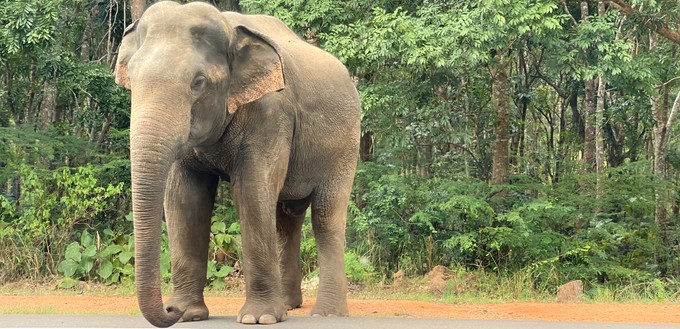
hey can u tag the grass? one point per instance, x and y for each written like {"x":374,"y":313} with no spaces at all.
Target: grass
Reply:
{"x":41,"y":288}
{"x":651,"y":292}
{"x":39,"y":310}
{"x":464,"y":286}
{"x":457,"y":286}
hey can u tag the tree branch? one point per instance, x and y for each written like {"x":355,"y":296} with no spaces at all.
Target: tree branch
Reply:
{"x":627,"y":9}
{"x":566,"y":11}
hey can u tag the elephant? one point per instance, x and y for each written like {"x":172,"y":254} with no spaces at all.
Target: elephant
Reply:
{"x":223,"y":96}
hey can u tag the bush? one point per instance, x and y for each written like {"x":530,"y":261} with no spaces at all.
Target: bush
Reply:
{"x":553,"y":233}
{"x":51,"y":207}
{"x":107,"y":259}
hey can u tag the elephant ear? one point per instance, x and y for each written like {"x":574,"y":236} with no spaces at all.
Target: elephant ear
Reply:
{"x":257,"y":68}
{"x":127,"y":48}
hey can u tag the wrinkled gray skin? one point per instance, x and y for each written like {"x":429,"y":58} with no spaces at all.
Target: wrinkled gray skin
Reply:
{"x":242,"y":98}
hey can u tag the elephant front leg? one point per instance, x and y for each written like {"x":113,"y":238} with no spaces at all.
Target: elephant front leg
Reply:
{"x":257,"y":210}
{"x":188,"y":208}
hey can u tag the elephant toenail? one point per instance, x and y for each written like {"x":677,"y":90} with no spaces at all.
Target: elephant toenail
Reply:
{"x":248,"y":319}
{"x":267,"y":319}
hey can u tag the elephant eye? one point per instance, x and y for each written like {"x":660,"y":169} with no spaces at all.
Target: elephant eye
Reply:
{"x":199,"y":83}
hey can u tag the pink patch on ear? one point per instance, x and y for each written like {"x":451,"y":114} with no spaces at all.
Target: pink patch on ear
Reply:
{"x":122,"y":78}
{"x":231,"y":106}
{"x":272,"y":80}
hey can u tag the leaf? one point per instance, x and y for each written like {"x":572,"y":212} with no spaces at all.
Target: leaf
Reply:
{"x":86,"y":266}
{"x":224,"y":271}
{"x":211,"y":269}
{"x":234,"y":228}
{"x":68,"y":267}
{"x":128,"y":270}
{"x":218,"y":285}
{"x":110,"y":250}
{"x":86,"y":239}
{"x":105,"y":269}
{"x":73,"y":252}
{"x":67,"y":283}
{"x":115,"y":277}
{"x":125,"y":257}
{"x":90,"y":251}
{"x":218,"y":227}
{"x":165,"y":265}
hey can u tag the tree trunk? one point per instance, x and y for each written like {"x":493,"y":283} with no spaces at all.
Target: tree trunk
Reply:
{"x":500,"y":89}
{"x":137,"y":8}
{"x":659,"y":160}
{"x":48,"y":105}
{"x":662,"y":131}
{"x":31,"y":109}
{"x":589,"y":109}
{"x":366,"y":146}
{"x":87,"y":34}
{"x":599,"y":136}
{"x":517,"y":140}
{"x":231,"y":5}
{"x":576,"y":117}
{"x":599,"y":121}
{"x":561,"y":152}
{"x":17,"y":115}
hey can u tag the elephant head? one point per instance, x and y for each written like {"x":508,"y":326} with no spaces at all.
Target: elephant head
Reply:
{"x":189,"y":70}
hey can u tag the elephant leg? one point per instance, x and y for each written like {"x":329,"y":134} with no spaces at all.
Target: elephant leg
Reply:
{"x":329,"y":216}
{"x":256,"y":202}
{"x":290,"y":215}
{"x":189,"y":201}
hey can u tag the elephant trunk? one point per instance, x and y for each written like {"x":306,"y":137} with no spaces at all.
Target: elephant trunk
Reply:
{"x":153,"y":148}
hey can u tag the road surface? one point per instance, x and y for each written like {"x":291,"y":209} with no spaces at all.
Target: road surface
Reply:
{"x":135,"y":321}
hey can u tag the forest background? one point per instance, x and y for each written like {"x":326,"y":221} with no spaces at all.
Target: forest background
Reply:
{"x":530,"y":139}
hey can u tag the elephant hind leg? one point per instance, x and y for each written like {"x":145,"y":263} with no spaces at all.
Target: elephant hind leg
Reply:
{"x":329,"y":217}
{"x":290,"y":216}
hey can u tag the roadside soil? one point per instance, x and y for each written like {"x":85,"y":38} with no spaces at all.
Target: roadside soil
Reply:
{"x":228,"y":306}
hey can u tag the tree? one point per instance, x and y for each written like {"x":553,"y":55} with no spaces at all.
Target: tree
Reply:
{"x":500,"y":99}
{"x":137,"y":8}
{"x":586,"y":94}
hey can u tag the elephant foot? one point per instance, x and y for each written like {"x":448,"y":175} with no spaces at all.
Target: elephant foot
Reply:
{"x":261,"y":313}
{"x":193,"y":311}
{"x":330,"y":309}
{"x":293,"y":305}
{"x":293,"y":300}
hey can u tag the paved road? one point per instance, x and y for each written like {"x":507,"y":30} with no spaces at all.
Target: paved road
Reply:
{"x":118,"y":321}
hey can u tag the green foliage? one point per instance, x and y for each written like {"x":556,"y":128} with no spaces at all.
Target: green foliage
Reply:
{"x":423,"y":72}
{"x":358,"y":269}
{"x":60,"y":201}
{"x":225,"y":245}
{"x":107,"y":259}
{"x":51,"y":207}
{"x":549,"y":233}
{"x":308,"y":254}
{"x":27,"y":24}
